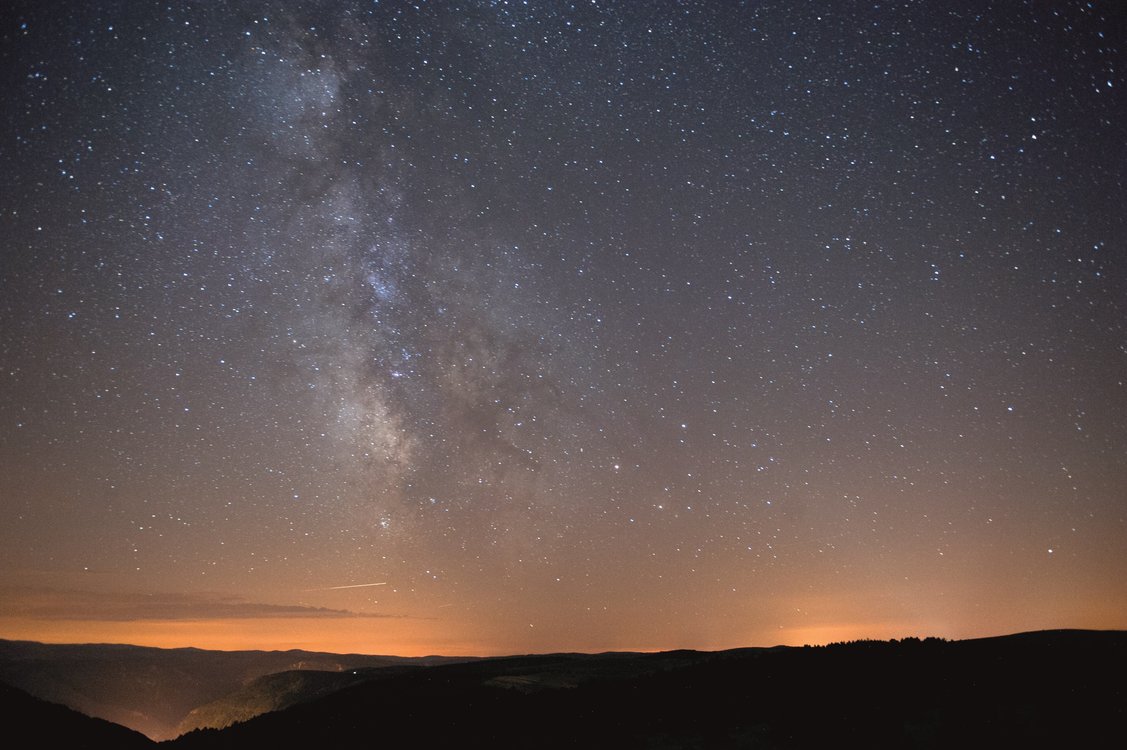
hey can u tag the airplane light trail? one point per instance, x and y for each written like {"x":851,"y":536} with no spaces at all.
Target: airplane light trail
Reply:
{"x":350,"y":586}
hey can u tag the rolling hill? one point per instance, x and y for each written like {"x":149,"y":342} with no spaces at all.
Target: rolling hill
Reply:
{"x":152,"y":690}
{"x":1049,"y":688}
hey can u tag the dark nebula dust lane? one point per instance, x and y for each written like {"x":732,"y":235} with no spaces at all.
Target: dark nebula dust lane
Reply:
{"x":579,"y":325}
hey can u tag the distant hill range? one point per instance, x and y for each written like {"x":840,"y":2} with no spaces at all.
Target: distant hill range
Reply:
{"x":153,"y":690}
{"x":1049,"y":688}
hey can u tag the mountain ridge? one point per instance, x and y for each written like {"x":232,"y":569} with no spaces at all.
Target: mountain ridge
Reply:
{"x":150,"y":689}
{"x":1029,"y":688}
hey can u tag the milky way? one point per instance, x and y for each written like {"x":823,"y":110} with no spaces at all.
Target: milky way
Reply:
{"x":580,"y":325}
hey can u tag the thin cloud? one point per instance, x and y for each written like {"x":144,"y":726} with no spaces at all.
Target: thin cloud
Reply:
{"x":54,"y":604}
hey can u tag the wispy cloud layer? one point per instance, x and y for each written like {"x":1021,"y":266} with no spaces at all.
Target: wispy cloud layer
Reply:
{"x":28,"y":602}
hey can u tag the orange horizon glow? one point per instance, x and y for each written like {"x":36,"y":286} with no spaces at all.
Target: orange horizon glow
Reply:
{"x":405,"y":638}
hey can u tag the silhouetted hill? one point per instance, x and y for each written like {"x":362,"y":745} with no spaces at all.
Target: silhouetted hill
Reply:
{"x":274,"y":692}
{"x":150,"y":689}
{"x":523,"y":673}
{"x":1058,"y":688}
{"x":1052,"y":688}
{"x":30,"y":722}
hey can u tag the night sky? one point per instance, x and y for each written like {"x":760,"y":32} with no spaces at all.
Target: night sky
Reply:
{"x":561,"y":325}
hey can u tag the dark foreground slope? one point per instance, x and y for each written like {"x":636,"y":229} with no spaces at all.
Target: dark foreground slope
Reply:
{"x":1059,"y":688}
{"x":28,"y":721}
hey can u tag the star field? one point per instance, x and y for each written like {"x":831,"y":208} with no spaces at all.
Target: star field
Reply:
{"x":576,"y":325}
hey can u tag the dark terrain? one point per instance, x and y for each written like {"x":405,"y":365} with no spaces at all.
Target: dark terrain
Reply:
{"x":36,"y":723}
{"x":1050,"y":688}
{"x":152,"y":690}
